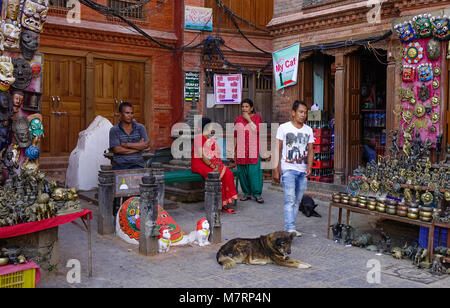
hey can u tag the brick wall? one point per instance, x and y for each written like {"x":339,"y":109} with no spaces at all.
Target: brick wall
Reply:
{"x":286,"y":7}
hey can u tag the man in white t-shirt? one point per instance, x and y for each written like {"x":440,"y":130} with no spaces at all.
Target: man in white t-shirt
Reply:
{"x":294,"y":172}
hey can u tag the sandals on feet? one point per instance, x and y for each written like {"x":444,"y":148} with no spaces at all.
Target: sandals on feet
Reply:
{"x":245,"y":198}
{"x":228,"y":210}
{"x":259,"y":199}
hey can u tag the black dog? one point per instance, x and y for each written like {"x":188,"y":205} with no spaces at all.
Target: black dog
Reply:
{"x":307,"y":207}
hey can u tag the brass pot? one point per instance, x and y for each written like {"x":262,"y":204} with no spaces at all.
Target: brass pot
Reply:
{"x":4,"y":261}
{"x":362,"y":199}
{"x":372,"y":207}
{"x":381,"y":209}
{"x":354,"y":198}
{"x":413,"y":216}
{"x":402,"y":213}
{"x":381,"y":203}
{"x":362,"y":205}
{"x":426,"y":214}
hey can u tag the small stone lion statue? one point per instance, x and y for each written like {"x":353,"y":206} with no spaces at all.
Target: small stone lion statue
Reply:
{"x":164,"y":240}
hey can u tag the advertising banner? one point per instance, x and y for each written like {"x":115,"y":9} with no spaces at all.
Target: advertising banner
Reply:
{"x":285,"y":66}
{"x":198,"y":18}
{"x":192,"y":87}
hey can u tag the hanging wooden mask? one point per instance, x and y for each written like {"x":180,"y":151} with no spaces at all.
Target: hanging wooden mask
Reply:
{"x":423,"y":26}
{"x":424,"y":93}
{"x":409,"y":73}
{"x":406,"y":32}
{"x":29,"y":43}
{"x":425,"y":72}
{"x":11,"y":34}
{"x":441,"y":30}
{"x":33,"y":14}
{"x":433,"y":49}
{"x":22,"y":73}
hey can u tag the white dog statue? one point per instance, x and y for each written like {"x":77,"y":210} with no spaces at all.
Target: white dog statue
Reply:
{"x":164,"y":240}
{"x":202,"y":233}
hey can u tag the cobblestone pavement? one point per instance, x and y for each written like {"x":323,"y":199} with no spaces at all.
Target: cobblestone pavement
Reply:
{"x":118,"y":264}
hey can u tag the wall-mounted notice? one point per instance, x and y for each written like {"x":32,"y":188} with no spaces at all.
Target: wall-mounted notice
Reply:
{"x":198,"y":18}
{"x":285,"y":66}
{"x":228,"y":89}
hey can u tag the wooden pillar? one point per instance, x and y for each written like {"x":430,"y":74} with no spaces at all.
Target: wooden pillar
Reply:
{"x":148,"y":210}
{"x":391,"y":119}
{"x":158,"y":172}
{"x":339,"y":129}
{"x":105,"y":200}
{"x":213,"y":206}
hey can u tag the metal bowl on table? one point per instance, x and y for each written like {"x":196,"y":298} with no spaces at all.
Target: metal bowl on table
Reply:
{"x":4,"y":261}
{"x":402,"y":213}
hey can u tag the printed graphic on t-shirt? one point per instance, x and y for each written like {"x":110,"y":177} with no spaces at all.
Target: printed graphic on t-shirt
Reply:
{"x":296,"y":148}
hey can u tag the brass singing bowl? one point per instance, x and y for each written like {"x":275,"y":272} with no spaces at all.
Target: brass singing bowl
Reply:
{"x":381,"y":209}
{"x":391,"y":211}
{"x":413,"y":211}
{"x":372,"y":207}
{"x":3,"y":261}
{"x":402,"y":213}
{"x":382,"y":204}
{"x":426,"y":219}
{"x":413,"y":216}
{"x":426,"y":214}
{"x":402,"y":208}
{"x":362,"y":205}
{"x":428,"y":209}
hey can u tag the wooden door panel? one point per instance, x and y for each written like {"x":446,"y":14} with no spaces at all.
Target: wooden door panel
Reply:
{"x":105,"y":96}
{"x":64,"y":93}
{"x":353,"y":100}
{"x":130,"y":76}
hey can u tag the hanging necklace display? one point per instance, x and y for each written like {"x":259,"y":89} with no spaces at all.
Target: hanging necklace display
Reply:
{"x":413,"y":53}
{"x":435,"y":84}
{"x":435,"y":100}
{"x":424,"y":93}
{"x":434,"y":118}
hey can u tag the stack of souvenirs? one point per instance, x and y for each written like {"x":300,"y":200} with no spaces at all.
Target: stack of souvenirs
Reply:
{"x":25,"y":194}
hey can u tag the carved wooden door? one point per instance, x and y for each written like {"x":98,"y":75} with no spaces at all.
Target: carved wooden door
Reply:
{"x":63,"y":103}
{"x":116,"y":82}
{"x":352,"y":111}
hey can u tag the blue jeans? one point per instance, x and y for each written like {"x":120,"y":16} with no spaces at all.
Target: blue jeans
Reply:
{"x":294,"y":185}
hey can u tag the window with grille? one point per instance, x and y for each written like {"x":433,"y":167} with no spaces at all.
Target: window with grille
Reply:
{"x":308,"y":3}
{"x":58,"y":3}
{"x":137,"y":13}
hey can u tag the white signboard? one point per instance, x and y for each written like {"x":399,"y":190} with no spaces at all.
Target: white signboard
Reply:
{"x":228,"y":89}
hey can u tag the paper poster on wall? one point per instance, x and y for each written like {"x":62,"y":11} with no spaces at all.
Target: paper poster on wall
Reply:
{"x":285,"y":66}
{"x":228,"y":89}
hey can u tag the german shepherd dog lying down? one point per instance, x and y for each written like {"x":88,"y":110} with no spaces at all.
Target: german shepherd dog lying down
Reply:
{"x":271,"y":248}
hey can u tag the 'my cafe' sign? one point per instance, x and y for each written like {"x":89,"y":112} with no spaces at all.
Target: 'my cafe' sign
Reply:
{"x":285,"y":66}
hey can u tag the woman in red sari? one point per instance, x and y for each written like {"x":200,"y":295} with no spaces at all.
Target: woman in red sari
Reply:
{"x":206,"y":159}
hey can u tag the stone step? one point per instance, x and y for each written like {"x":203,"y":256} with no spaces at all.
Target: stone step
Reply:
{"x":50,"y":163}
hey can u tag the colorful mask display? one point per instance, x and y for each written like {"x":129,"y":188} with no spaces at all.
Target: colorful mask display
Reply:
{"x":6,"y":73}
{"x":34,"y":14}
{"x":413,"y":53}
{"x":423,"y":26}
{"x":425,"y":72}
{"x":36,"y":128}
{"x":11,"y":9}
{"x":406,"y":32}
{"x":11,"y":34}
{"x":409,"y":73}
{"x":29,"y":43}
{"x":433,"y":49}
{"x":441,"y":30}
{"x":22,"y":73}
{"x":21,"y":130}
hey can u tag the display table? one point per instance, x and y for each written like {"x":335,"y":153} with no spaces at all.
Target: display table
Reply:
{"x":350,"y":209}
{"x":441,"y":225}
{"x":35,"y":226}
